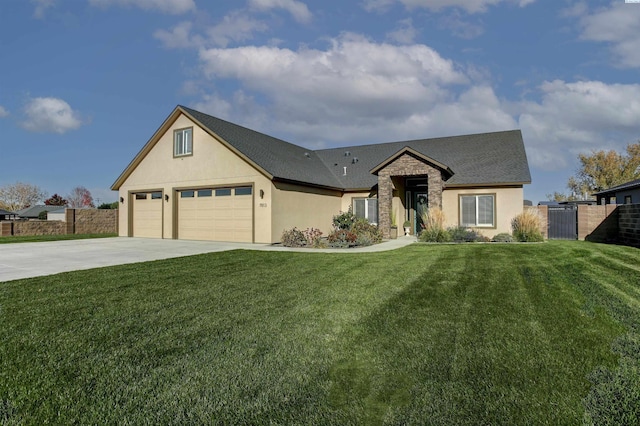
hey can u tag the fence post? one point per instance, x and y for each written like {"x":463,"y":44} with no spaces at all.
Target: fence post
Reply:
{"x":70,"y":219}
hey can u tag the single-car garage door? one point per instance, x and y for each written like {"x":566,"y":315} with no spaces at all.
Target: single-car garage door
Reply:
{"x":147,"y":214}
{"x":218,"y":214}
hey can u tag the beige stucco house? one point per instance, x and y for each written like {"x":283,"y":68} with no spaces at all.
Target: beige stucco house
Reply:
{"x":203,"y":178}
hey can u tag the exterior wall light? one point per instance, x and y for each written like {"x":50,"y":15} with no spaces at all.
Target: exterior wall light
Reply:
{"x":166,"y":197}
{"x":261,"y":193}
{"x":121,"y":200}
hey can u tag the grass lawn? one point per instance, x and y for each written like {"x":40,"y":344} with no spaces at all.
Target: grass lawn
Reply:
{"x":40,"y":238}
{"x":453,"y":334}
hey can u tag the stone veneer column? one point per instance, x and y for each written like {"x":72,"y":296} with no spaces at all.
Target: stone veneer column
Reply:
{"x":385,"y":197}
{"x":404,"y":166}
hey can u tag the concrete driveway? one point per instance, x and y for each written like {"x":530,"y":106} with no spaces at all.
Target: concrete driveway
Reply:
{"x":26,"y":260}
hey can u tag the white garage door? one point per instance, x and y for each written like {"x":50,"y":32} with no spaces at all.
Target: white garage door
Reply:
{"x":147,"y":214}
{"x":220,"y":214}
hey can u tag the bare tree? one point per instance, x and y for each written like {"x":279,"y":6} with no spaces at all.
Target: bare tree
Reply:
{"x":80,"y":197}
{"x":20,"y":195}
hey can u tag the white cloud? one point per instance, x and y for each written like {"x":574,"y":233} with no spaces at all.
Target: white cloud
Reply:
{"x":405,"y":34}
{"x":178,"y":37}
{"x":234,"y":27}
{"x":470,"y":6}
{"x":460,"y":27}
{"x":578,"y":117}
{"x":3,"y":112}
{"x":297,"y":9}
{"x":619,"y":26}
{"x":355,"y":91}
{"x":352,"y":76}
{"x":174,"y":7}
{"x":50,"y":115}
{"x":237,"y":27}
{"x":41,"y":7}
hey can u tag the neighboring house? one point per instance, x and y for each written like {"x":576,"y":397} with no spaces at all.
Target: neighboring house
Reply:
{"x":203,"y":178}
{"x":34,"y":212}
{"x":7,"y":215}
{"x":626,"y":193}
{"x":59,"y":214}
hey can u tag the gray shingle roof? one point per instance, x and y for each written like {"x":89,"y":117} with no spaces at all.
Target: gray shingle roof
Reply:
{"x":486,"y":158}
{"x":627,"y":185}
{"x":281,"y":159}
{"x":33,"y":212}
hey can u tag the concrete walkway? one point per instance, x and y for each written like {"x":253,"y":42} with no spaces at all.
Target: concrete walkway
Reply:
{"x":26,"y":260}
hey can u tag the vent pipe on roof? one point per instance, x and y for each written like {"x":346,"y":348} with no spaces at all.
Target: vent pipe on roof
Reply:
{"x":344,"y":173}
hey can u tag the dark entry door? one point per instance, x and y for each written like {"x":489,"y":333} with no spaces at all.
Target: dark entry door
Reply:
{"x":421,"y":203}
{"x":563,"y":222}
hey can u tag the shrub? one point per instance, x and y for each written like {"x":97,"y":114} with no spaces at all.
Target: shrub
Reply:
{"x":432,"y":218}
{"x":344,"y":220}
{"x":526,"y":226}
{"x":434,"y":235}
{"x":313,"y":236}
{"x":42,"y":215}
{"x":433,"y":226}
{"x":460,"y":234}
{"x":502,"y":238}
{"x":342,"y":238}
{"x":367,"y":233}
{"x":293,"y":238}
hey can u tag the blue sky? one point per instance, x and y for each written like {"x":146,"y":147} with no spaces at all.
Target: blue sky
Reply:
{"x":84,"y":84}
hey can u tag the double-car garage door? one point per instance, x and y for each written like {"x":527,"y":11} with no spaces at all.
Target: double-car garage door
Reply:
{"x":216,"y":214}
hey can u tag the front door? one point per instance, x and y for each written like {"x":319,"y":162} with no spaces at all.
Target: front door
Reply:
{"x":421,"y":206}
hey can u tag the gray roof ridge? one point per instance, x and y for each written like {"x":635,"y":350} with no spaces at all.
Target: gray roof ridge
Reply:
{"x":409,"y":141}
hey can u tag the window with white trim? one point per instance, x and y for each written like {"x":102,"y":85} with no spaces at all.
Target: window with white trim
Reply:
{"x":477,"y":210}
{"x":183,"y":142}
{"x":366,"y":208}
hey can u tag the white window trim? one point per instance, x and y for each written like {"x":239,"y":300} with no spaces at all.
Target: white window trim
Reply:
{"x":477,"y":224}
{"x":188,"y":144}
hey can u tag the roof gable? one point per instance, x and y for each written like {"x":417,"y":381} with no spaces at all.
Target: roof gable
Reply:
{"x":415,"y":154}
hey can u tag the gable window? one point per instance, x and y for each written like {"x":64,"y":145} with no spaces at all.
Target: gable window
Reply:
{"x":627,"y":199}
{"x":366,"y":208}
{"x":477,"y":210}
{"x":183,"y":142}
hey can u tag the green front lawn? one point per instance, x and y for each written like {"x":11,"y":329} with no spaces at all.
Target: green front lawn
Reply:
{"x":41,"y":238}
{"x":429,"y":334}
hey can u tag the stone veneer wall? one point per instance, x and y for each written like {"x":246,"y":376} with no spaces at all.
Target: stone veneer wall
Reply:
{"x":405,"y":165}
{"x":78,"y":221}
{"x":629,"y":224}
{"x":598,"y":223}
{"x":98,"y":221}
{"x":39,"y":227}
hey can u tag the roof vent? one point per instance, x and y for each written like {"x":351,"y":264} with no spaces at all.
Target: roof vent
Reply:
{"x":347,"y":153}
{"x":355,"y":160}
{"x":344,"y":173}
{"x":306,"y":154}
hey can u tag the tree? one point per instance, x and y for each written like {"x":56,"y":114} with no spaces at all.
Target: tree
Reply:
{"x":109,"y":206}
{"x":20,"y":195}
{"x":56,"y":200}
{"x":80,"y":197}
{"x":602,"y":170}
